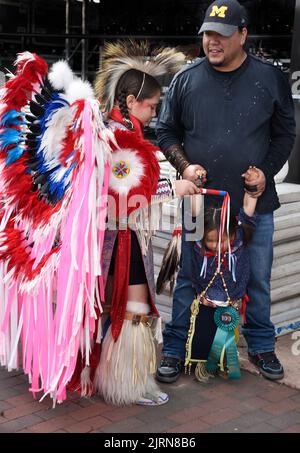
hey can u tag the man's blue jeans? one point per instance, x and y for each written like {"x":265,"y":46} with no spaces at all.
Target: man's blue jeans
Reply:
{"x":258,"y":330}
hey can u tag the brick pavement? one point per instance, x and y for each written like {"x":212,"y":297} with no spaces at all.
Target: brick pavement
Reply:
{"x":251,"y":404}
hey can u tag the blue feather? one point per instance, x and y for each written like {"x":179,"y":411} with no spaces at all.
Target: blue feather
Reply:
{"x":57,"y":102}
{"x":44,"y":167}
{"x":10,"y":136}
{"x":59,"y":187}
{"x":50,"y":107}
{"x":50,"y":168}
{"x":11,"y":118}
{"x":14,"y":154}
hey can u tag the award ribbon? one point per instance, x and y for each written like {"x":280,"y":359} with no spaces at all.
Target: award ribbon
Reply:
{"x":227,"y":319}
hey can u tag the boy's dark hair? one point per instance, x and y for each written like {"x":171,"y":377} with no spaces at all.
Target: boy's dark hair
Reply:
{"x":212,"y":221}
{"x":137,"y":83}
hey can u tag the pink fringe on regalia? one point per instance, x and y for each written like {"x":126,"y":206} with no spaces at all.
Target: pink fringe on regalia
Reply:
{"x":50,"y":253}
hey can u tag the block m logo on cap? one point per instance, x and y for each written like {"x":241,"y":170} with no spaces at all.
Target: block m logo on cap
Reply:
{"x":218,"y":11}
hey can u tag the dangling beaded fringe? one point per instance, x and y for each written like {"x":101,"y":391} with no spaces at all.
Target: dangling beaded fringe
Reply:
{"x":201,"y":373}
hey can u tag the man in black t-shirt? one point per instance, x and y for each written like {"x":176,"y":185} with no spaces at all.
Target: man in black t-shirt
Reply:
{"x":222,"y":114}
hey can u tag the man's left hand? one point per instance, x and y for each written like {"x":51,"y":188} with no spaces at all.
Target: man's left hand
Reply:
{"x":255,"y":178}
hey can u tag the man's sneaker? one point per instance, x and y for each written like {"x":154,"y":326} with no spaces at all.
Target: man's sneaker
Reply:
{"x":169,"y":369}
{"x":268,"y":364}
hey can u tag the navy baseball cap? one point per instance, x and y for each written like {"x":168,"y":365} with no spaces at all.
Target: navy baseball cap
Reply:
{"x":224,"y":17}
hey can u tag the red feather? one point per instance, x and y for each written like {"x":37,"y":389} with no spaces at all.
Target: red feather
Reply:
{"x":147,"y":153}
{"x":18,"y":90}
{"x":15,"y":250}
{"x":17,"y":183}
{"x":30,"y":68}
{"x":19,"y":188}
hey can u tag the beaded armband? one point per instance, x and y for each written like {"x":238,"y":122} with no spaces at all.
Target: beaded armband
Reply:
{"x":176,"y":156}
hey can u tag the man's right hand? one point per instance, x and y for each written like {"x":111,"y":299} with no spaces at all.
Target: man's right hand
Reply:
{"x":192,"y":172}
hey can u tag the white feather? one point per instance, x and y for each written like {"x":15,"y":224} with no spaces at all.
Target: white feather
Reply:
{"x":24,"y":56}
{"x":79,"y":90}
{"x":60,"y":75}
{"x":103,"y":136}
{"x":55,"y":133}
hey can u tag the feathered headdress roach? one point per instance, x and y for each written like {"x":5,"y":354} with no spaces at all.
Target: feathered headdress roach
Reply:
{"x":119,"y":57}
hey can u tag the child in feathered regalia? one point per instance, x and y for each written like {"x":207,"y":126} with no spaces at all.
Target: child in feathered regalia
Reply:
{"x":130,"y":94}
{"x":220,"y":274}
{"x":59,"y":164}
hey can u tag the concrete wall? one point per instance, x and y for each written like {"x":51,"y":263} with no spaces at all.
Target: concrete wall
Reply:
{"x":294,"y":161}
